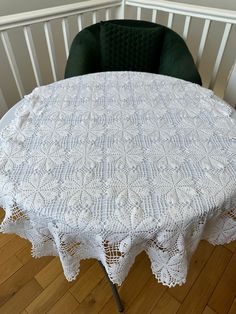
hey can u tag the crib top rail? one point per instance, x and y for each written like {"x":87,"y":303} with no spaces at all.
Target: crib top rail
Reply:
{"x":38,"y":37}
{"x":215,"y":14}
{"x":209,"y":16}
{"x":42,"y":15}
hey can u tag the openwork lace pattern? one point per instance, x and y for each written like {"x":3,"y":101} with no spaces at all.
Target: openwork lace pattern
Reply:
{"x":107,"y":165}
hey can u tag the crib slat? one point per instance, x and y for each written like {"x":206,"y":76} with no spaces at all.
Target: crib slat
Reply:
{"x":66,"y":34}
{"x":4,"y":107}
{"x":94,"y":17}
{"x":186,"y":27}
{"x":12,"y":61}
{"x":230,"y":92}
{"x":107,"y":14}
{"x":170,"y":20}
{"x":120,"y":11}
{"x":51,"y":49}
{"x":154,"y":16}
{"x":139,"y":12}
{"x":220,"y":54}
{"x":33,"y":56}
{"x":80,"y":22}
{"x":203,"y":41}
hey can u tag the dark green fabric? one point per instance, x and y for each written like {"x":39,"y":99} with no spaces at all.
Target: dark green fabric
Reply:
{"x":176,"y":60}
{"x":173,"y":59}
{"x":127,"y":48}
{"x":84,"y":54}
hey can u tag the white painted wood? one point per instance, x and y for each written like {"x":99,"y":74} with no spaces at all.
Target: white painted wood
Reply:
{"x":186,"y":27}
{"x":107,"y":14}
{"x":51,"y":50}
{"x":170,"y":20}
{"x":189,"y":11}
{"x":80,"y":22}
{"x":43,"y":15}
{"x":33,"y":55}
{"x":94,"y":17}
{"x":220,"y":55}
{"x":230,"y":91}
{"x":203,"y":41}
{"x":227,"y":16}
{"x":63,"y":12}
{"x":12,"y":61}
{"x":120,"y":10}
{"x":3,"y":104}
{"x":154,"y":16}
{"x":66,"y":35}
{"x":139,"y":12}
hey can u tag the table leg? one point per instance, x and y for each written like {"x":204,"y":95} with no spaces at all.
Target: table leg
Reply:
{"x":115,"y":292}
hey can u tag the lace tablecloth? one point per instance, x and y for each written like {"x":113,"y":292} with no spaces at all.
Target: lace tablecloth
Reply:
{"x":107,"y":165}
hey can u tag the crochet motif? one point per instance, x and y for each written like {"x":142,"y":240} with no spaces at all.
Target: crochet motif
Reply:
{"x":109,"y":164}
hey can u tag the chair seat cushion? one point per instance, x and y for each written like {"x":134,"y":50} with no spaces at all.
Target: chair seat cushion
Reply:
{"x":128,"y":48}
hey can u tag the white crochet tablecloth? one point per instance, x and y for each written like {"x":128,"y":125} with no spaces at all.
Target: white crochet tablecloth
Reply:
{"x":107,"y":165}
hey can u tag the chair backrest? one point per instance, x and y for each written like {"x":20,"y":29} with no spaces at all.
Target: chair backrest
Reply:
{"x":89,"y":50}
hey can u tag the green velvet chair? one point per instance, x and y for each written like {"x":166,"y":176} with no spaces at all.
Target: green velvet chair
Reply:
{"x":131,"y":45}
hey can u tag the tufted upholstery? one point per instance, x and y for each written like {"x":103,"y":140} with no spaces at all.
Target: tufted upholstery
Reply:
{"x":125,"y":48}
{"x":122,"y":45}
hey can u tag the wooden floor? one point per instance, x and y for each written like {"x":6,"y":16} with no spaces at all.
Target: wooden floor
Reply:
{"x":29,"y":285}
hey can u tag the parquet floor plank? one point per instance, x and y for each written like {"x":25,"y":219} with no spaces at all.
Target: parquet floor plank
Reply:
{"x":198,"y":262}
{"x":50,"y":295}
{"x":96,"y":300}
{"x":2,"y":214}
{"x":9,"y":268}
{"x":225,"y":291}
{"x":11,"y":248}
{"x":21,"y":277}
{"x":24,"y":255}
{"x":133,"y":284}
{"x":87,"y":282}
{"x":49,"y":273}
{"x":5,"y":238}
{"x":231,"y":246}
{"x":66,"y":305}
{"x":208,"y":310}
{"x":22,"y":298}
{"x":147,"y":298}
{"x":233,"y":308}
{"x":201,"y":291}
{"x":38,"y":285}
{"x":110,"y":305}
{"x":166,"y":305}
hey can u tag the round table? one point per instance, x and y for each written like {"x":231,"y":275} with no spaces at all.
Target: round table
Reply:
{"x":110,"y":164}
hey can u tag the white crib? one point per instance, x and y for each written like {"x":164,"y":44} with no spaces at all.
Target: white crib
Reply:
{"x":35,"y":45}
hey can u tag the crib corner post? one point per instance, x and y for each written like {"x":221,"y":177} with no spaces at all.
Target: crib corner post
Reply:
{"x":120,"y":13}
